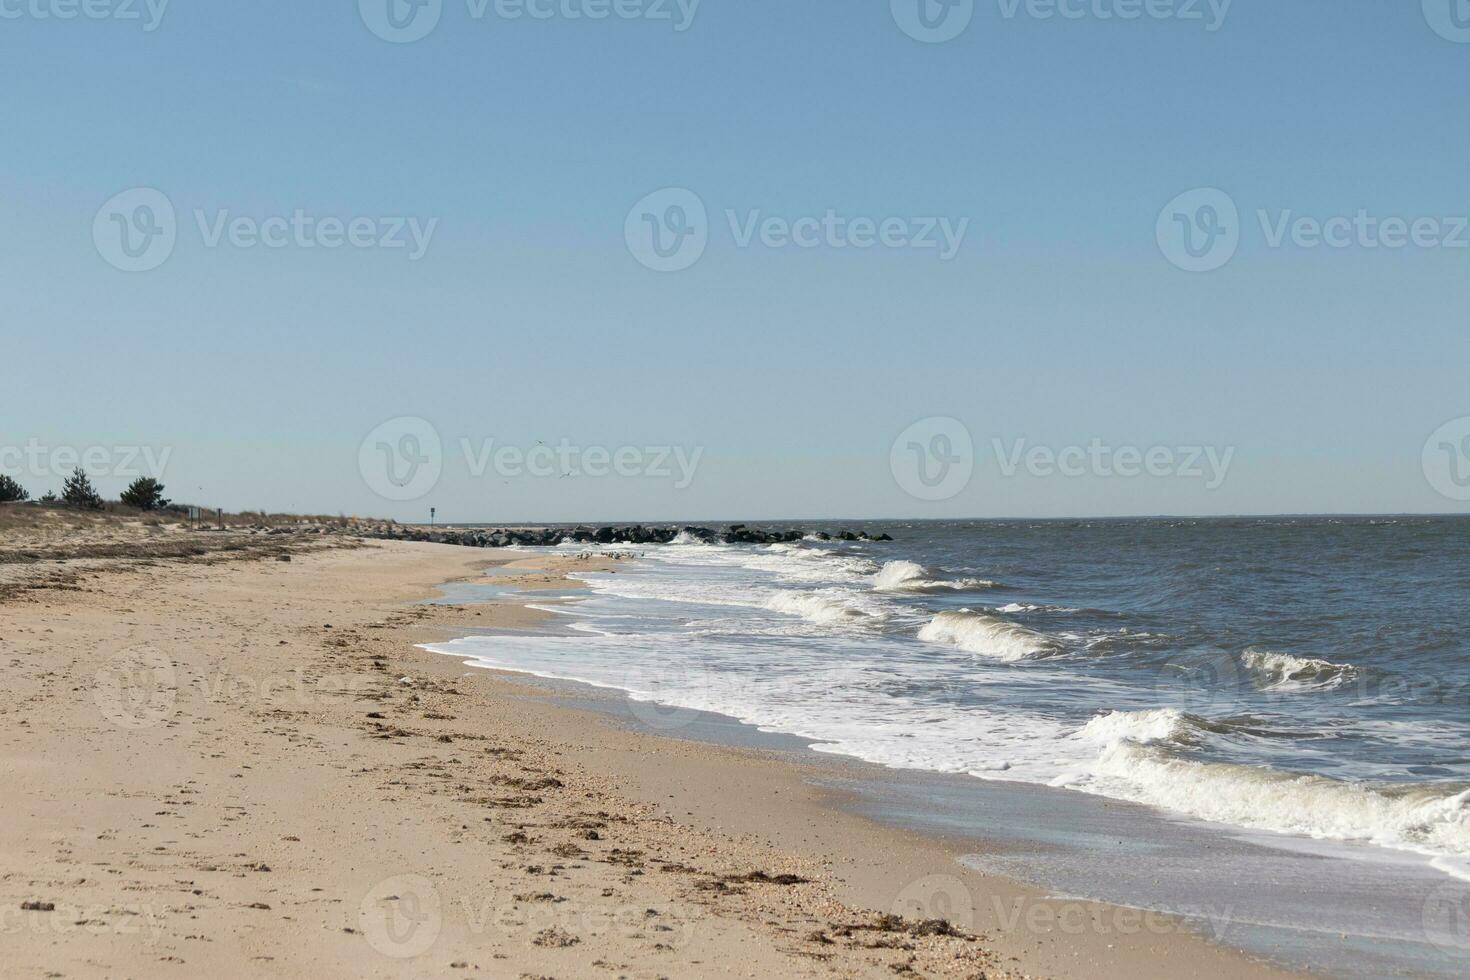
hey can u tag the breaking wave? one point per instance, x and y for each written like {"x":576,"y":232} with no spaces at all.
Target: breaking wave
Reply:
{"x":908,"y":576}
{"x":1283,"y":672}
{"x":825,"y":610}
{"x":1142,"y":759}
{"x":988,"y":636}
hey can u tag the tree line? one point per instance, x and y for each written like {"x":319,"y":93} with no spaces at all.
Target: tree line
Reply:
{"x":144,"y":493}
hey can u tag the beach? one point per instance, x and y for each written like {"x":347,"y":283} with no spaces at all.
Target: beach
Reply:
{"x":227,"y":762}
{"x":561,"y":489}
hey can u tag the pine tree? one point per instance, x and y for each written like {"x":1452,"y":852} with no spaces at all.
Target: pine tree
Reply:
{"x":10,"y":491}
{"x":145,"y":493}
{"x":79,"y":492}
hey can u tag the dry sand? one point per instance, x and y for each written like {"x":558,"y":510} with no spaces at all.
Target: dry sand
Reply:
{"x":226,"y":764}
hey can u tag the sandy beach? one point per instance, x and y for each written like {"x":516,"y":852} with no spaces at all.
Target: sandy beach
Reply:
{"x":565,"y":489}
{"x":226,"y":754}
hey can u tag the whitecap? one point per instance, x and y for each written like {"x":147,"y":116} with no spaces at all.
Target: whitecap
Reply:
{"x":1284,"y":672}
{"x":908,"y":576}
{"x":989,"y":636}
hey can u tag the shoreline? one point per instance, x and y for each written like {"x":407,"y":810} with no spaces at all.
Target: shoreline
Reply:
{"x":1255,"y":891}
{"x":287,"y":772}
{"x":938,"y":810}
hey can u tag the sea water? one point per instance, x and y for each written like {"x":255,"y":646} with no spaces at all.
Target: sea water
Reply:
{"x":1305,"y":677}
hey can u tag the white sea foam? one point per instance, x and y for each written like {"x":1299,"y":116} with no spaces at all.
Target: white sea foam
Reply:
{"x":897,"y":574}
{"x":1142,"y":759}
{"x":1138,"y":755}
{"x":1426,"y":817}
{"x":834,"y":706}
{"x":1283,"y":672}
{"x":989,"y":636}
{"x":1158,"y":725}
{"x":1028,"y":607}
{"x":803,"y":656}
{"x":908,"y":576}
{"x":799,"y":563}
{"x":819,"y":608}
{"x":671,"y":589}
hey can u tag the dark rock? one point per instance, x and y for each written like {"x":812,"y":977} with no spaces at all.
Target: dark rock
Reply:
{"x":638,"y":534}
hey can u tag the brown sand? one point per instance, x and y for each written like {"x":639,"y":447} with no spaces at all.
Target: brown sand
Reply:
{"x":246,"y":768}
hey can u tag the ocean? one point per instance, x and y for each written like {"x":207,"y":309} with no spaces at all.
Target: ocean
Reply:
{"x":1305,"y":677}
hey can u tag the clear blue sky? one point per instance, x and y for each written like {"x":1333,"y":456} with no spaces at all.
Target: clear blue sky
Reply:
{"x":1060,"y":321}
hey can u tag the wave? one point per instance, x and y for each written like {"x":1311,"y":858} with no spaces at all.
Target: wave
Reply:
{"x":1027,"y":607}
{"x":1175,"y":727}
{"x":864,"y":688}
{"x":908,"y":576}
{"x":989,"y":636}
{"x":1128,"y":641}
{"x":800,"y":563}
{"x":1156,"y":725}
{"x":1283,"y":672}
{"x":824,"y":610}
{"x":1142,"y":759}
{"x":1413,"y":816}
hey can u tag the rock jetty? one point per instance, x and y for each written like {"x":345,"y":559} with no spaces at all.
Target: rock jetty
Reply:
{"x":606,"y":534}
